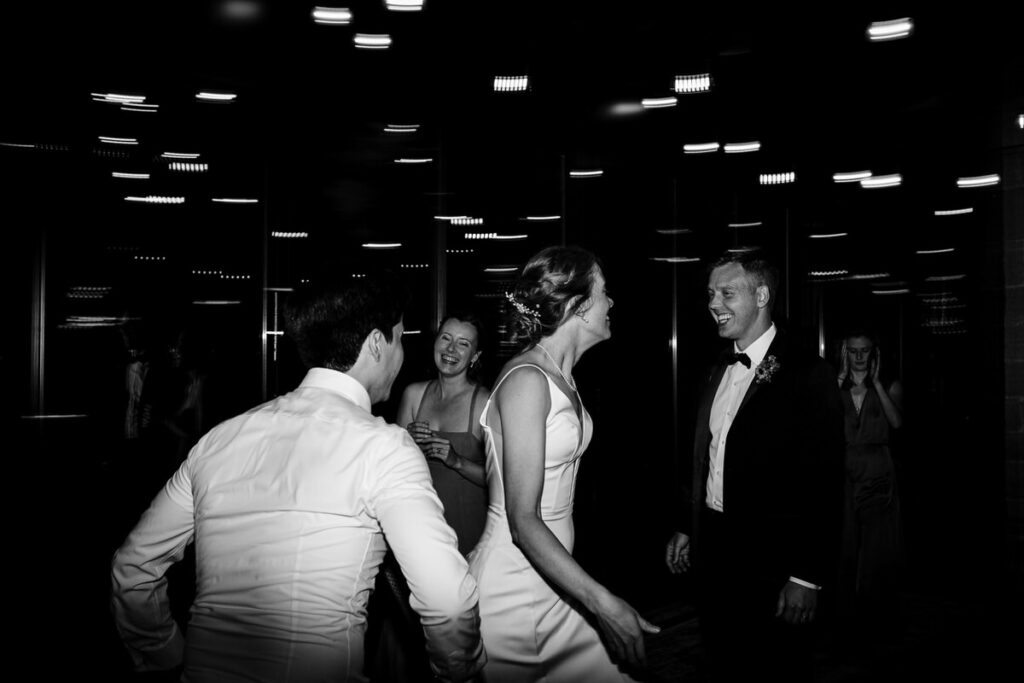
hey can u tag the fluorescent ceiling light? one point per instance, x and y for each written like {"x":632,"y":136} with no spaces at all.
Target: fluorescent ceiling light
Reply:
{"x":117,"y":98}
{"x":891,"y":180}
{"x":851,"y":176}
{"x":156,"y":199}
{"x":332,"y":16}
{"x":207,"y":96}
{"x":658,"y":102}
{"x":741,"y":147}
{"x":700,"y":148}
{"x":777,"y":178}
{"x":404,"y":5}
{"x":890,"y":30}
{"x":978,"y":181}
{"x":118,"y":141}
{"x":511,"y":83}
{"x":694,"y":83}
{"x":372,"y":41}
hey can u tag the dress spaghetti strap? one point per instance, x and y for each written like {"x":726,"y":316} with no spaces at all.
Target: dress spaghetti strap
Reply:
{"x":419,"y":407}
{"x":472,"y":405}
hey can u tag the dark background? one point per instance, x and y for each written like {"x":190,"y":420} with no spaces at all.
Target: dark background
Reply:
{"x":305,"y":137}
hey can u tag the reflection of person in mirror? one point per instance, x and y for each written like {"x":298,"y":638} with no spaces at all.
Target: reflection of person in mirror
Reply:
{"x":872,"y":538}
{"x":136,"y":368}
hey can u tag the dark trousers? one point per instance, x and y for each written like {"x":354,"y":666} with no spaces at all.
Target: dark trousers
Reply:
{"x":736,"y":599}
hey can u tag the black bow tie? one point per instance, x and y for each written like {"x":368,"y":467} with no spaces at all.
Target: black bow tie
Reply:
{"x":738,"y":358}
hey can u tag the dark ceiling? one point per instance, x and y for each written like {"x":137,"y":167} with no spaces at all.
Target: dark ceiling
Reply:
{"x":306,"y":132}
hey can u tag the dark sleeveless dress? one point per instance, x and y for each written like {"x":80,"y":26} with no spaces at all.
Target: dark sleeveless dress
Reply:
{"x":465,"y":503}
{"x":396,"y":650}
{"x":872,"y":538}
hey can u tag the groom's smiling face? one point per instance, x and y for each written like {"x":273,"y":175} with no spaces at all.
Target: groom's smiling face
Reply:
{"x":733,"y":300}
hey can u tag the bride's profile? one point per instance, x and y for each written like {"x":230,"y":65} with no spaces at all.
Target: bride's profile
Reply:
{"x":537,"y":604}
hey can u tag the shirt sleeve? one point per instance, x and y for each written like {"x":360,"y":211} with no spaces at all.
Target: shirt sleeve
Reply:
{"x":444,"y":593}
{"x":139,"y":601}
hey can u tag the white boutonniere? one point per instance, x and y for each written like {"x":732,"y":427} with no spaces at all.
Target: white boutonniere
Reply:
{"x":766,"y":369}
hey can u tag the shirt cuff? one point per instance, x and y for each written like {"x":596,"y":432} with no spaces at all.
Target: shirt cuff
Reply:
{"x":804,"y":583}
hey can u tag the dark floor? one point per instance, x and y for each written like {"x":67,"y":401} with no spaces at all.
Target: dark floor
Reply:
{"x":939,"y":638}
{"x":955,"y":621}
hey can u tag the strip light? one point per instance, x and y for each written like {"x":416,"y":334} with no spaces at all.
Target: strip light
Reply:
{"x":332,"y":16}
{"x":890,"y":30}
{"x":511,"y":83}
{"x":978,"y":181}
{"x":695,"y":83}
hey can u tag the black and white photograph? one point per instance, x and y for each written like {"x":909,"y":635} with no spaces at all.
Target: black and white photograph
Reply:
{"x":415,"y":340}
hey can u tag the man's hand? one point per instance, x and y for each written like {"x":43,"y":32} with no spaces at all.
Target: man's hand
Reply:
{"x":677,"y":553}
{"x":797,"y":604}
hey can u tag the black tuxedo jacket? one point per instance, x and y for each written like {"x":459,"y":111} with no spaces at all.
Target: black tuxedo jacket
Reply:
{"x":783,"y":468}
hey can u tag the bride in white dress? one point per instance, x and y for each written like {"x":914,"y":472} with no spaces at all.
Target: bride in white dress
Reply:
{"x":537,"y":604}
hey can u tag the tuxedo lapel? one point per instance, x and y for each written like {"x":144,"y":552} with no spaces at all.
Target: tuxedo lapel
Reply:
{"x":777,"y":349}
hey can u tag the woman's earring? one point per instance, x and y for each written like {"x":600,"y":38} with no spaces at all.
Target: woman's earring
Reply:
{"x":582,"y":317}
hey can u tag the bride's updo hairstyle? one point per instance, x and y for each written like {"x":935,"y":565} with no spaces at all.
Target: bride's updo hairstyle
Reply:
{"x":555,"y":283}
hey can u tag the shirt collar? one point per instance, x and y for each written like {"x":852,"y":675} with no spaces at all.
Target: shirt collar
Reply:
{"x":759,"y":348}
{"x":339,"y":383}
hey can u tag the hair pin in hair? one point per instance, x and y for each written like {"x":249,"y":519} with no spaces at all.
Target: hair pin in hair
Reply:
{"x":523,"y":308}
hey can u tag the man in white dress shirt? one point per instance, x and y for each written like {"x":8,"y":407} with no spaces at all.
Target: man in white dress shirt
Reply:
{"x":766,"y":496}
{"x":289,"y":505}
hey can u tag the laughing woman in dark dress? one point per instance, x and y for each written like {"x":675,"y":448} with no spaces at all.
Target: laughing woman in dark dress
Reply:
{"x":443,"y":416}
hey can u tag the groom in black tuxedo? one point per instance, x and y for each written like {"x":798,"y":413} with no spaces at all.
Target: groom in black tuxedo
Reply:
{"x":762,"y":528}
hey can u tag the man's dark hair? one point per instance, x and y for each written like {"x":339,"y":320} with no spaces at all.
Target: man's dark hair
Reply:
{"x":757,"y":265}
{"x":329,"y":318}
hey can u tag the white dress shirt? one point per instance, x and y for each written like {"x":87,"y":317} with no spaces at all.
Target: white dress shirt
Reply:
{"x":731,"y":390}
{"x":288,"y":505}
